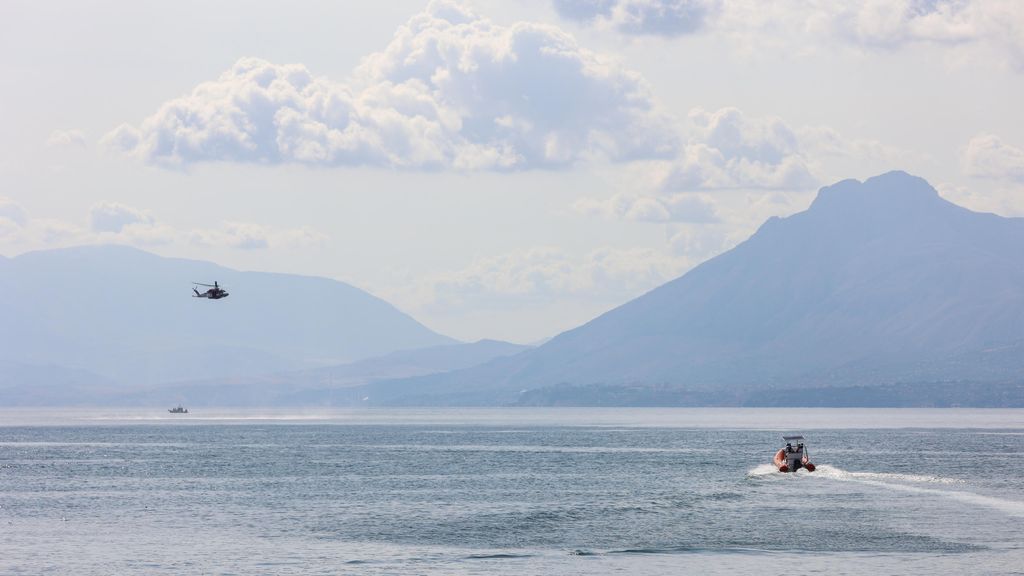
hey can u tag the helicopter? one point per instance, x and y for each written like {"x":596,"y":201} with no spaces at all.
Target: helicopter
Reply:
{"x":215,"y":292}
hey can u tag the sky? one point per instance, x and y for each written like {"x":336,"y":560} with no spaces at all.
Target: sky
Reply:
{"x":501,"y":170}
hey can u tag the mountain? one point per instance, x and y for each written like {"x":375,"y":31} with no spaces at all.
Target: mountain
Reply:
{"x":880,"y":282}
{"x":125,"y":316}
{"x":50,"y":385}
{"x":327,"y":386}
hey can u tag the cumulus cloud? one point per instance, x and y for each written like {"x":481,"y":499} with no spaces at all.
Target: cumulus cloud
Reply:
{"x":674,"y":208}
{"x":52,"y":232}
{"x":987,"y":156}
{"x":1003,"y":198}
{"x":12,"y":217}
{"x":245,"y":236}
{"x":113,"y":222}
{"x":114,"y":217}
{"x":988,"y":30}
{"x":641,"y":17}
{"x":545,"y":274}
{"x":737,"y":169}
{"x":995,"y":26}
{"x":12,"y":213}
{"x":451,"y":90}
{"x":699,"y":243}
{"x":763,"y":159}
{"x":250,"y":236}
{"x":66,"y":139}
{"x":728,"y":150}
{"x":822,"y":141}
{"x":891,"y":24}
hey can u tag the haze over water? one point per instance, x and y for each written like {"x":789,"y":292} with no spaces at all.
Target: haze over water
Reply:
{"x":523,"y":491}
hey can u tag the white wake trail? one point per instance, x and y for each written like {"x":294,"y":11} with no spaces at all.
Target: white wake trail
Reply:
{"x":762,"y":470}
{"x":913,"y":483}
{"x":840,"y":474}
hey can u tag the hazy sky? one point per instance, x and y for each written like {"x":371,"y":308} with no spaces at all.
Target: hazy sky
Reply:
{"x":496,"y":169}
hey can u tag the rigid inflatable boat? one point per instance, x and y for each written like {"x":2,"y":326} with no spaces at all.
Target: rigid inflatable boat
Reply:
{"x":792,"y":458}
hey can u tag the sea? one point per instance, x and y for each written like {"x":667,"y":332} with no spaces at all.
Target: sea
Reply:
{"x":510,"y":491}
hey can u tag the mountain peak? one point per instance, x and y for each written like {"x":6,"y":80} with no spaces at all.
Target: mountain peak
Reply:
{"x":879,"y":282}
{"x":895,"y":191}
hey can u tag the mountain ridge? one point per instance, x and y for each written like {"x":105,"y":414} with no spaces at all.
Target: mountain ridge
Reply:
{"x":881,"y":277}
{"x":323,"y":386}
{"x":127,"y":315}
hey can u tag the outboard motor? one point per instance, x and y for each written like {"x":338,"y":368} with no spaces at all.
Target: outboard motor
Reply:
{"x":795,"y":459}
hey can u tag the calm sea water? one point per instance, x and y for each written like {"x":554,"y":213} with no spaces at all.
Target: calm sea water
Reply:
{"x":627,"y":491}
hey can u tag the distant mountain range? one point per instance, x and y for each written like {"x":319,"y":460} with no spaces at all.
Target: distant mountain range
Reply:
{"x":326,"y":386}
{"x":880,"y":294}
{"x":879,"y":285}
{"x":113,"y":316}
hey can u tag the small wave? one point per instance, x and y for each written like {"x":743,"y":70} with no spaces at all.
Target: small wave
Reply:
{"x":724,"y":496}
{"x":497,"y":556}
{"x":682,"y":550}
{"x":650,"y":550}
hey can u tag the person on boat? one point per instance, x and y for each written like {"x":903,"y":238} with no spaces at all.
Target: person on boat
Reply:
{"x":789,"y":448}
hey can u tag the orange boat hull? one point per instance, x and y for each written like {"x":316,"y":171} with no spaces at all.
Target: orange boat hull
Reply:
{"x":780,"y":461}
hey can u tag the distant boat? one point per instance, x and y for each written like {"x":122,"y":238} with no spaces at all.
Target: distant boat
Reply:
{"x":178,"y":410}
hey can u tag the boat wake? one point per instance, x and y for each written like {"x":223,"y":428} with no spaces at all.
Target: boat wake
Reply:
{"x":918,"y":484}
{"x":762,"y":470}
{"x":839,"y":474}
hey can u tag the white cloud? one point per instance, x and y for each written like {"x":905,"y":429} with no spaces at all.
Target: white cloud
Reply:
{"x":642,"y":17}
{"x":114,"y":217}
{"x":995,"y":27}
{"x":66,"y":139}
{"x":250,"y":236}
{"x":699,"y":243}
{"x":244,"y":236}
{"x":987,"y":156}
{"x":57,"y":232}
{"x":728,"y":150}
{"x":1003,"y":198}
{"x":988,"y":30}
{"x":733,"y":173}
{"x":37,"y":233}
{"x":113,"y":222}
{"x":545,"y":274}
{"x":823,"y":141}
{"x":7,"y":228}
{"x":451,"y":90}
{"x":19,"y":229}
{"x":116,"y":222}
{"x":890,"y":24}
{"x":12,"y":213}
{"x":673,"y":208}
